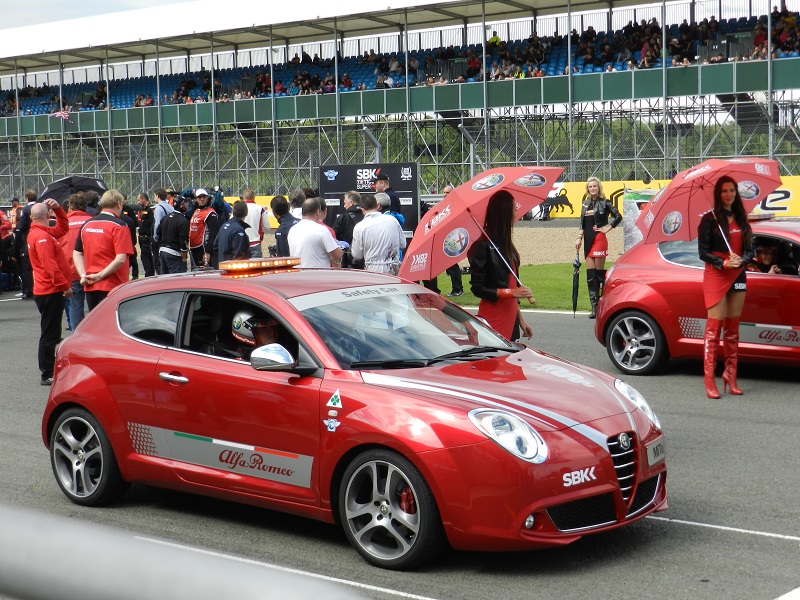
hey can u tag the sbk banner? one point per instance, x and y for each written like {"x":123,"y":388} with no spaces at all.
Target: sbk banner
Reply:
{"x":335,"y":180}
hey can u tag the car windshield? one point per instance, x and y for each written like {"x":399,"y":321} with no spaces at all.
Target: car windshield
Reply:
{"x":396,"y":326}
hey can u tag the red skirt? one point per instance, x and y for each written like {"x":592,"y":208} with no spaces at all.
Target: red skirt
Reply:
{"x":717,"y":283}
{"x":502,"y":315}
{"x":599,"y":247}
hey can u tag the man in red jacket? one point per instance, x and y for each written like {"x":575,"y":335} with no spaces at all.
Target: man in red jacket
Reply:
{"x":51,"y":279}
{"x":77,"y":219}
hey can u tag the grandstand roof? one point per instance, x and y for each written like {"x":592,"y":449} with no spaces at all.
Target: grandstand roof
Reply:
{"x":174,"y":30}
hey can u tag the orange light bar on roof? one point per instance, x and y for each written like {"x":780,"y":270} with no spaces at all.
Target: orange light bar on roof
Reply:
{"x":261,"y":265}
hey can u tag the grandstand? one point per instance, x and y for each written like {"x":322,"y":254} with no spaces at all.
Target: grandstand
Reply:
{"x":602,"y":119}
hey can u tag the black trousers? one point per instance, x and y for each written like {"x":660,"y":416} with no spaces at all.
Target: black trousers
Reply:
{"x":26,"y":272}
{"x":455,"y":277}
{"x":51,"y":308}
{"x":94,"y":298}
{"x":148,"y":264}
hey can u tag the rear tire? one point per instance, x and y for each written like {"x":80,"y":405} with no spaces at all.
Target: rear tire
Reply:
{"x":388,"y":512}
{"x":83,"y":460}
{"x":636,"y":344}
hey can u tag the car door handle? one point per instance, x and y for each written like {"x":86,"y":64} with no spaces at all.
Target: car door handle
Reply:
{"x":173,"y":378}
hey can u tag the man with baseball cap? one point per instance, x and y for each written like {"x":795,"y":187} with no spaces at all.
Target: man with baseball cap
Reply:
{"x":382,"y":185}
{"x":203,"y":228}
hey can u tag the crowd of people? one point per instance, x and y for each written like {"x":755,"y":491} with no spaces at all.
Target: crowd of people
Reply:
{"x":68,"y":255}
{"x":638,"y":45}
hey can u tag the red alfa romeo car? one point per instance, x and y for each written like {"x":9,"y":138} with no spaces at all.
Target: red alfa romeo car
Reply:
{"x":348,"y":397}
{"x":652,"y":307}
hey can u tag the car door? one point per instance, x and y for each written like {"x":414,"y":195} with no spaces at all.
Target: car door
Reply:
{"x":229,"y":426}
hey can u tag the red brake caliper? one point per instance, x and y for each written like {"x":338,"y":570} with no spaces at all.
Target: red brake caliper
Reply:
{"x":407,"y":503}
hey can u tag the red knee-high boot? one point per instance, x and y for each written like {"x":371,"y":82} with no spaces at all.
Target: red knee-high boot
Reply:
{"x":730,"y":347}
{"x":710,"y":345}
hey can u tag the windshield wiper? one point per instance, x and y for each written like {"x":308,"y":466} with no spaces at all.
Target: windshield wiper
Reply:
{"x":471,"y":351}
{"x":395,"y":363}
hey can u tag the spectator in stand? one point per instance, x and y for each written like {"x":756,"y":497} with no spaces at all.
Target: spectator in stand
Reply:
{"x":413,"y":65}
{"x":51,"y":279}
{"x":258,"y":220}
{"x":493,"y":42}
{"x":102,"y":250}
{"x":346,"y":81}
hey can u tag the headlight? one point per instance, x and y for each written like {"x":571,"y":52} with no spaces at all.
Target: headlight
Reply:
{"x":511,"y":433}
{"x":634,"y":396}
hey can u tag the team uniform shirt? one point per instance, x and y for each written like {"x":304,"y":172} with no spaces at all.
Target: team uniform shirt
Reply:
{"x":100,"y":240}
{"x":77,"y":219}
{"x":199,"y":224}
{"x":5,"y":225}
{"x":51,"y":272}
{"x":258,"y":219}
{"x":378,"y":239}
{"x":311,"y":242}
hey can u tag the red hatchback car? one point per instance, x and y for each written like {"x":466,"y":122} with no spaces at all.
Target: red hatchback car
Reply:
{"x":348,"y":397}
{"x":652,"y":307}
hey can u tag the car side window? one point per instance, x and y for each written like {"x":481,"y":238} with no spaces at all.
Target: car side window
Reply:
{"x":681,"y":253}
{"x":230,"y":328}
{"x":152,"y":318}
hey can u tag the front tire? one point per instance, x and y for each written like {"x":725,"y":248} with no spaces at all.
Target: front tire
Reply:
{"x":636,"y":344}
{"x":388,"y":512}
{"x":83,"y":460}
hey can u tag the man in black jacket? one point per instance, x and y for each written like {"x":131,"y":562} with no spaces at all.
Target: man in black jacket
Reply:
{"x":232,"y":242}
{"x":173,"y":235}
{"x":382,"y":185}
{"x":146,"y":222}
{"x":280,"y":208}
{"x":345,"y":222}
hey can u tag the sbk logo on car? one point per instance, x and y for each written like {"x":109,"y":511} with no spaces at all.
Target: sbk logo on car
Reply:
{"x":579,"y":476}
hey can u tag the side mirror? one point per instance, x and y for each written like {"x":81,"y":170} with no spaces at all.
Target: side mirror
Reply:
{"x":272,"y":357}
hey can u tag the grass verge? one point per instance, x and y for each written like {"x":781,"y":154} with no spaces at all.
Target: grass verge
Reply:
{"x":551,"y":285}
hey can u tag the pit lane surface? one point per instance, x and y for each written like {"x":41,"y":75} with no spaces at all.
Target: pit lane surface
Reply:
{"x":732,"y":530}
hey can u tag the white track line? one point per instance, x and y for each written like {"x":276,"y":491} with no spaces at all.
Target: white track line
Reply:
{"x":248,"y":561}
{"x":791,"y":538}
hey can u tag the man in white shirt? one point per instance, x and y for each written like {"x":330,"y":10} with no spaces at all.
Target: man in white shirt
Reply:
{"x":378,"y":239}
{"x":312,"y":241}
{"x":258,"y":219}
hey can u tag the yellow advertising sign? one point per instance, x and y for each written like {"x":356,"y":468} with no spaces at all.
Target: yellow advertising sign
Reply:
{"x":567,"y":197}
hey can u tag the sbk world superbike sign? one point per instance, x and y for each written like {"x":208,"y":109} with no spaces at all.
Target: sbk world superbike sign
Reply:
{"x":335,"y":180}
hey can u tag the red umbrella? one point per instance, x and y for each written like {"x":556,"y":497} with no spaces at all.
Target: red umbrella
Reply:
{"x":674,"y":213}
{"x":449,"y":228}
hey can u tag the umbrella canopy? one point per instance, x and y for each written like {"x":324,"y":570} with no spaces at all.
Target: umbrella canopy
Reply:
{"x":62,"y":189}
{"x":576,"y":280}
{"x":450,"y":227}
{"x":675,"y":212}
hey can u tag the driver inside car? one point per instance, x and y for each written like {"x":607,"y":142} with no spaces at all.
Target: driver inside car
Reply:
{"x":252,"y":331}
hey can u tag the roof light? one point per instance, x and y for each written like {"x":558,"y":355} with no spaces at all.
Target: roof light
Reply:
{"x":258,"y":266}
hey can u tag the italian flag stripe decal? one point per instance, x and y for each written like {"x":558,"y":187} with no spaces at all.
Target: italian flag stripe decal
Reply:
{"x":200,"y":438}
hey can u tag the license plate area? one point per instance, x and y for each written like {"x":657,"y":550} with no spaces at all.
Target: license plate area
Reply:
{"x":656,"y":451}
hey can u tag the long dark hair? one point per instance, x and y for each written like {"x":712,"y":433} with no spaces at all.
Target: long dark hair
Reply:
{"x":499,"y":221}
{"x":739,"y":214}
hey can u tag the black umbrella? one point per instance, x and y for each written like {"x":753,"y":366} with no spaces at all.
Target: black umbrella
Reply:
{"x":62,"y":189}
{"x":576,"y":280}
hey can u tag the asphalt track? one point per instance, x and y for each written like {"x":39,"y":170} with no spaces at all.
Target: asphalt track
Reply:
{"x":732,"y":529}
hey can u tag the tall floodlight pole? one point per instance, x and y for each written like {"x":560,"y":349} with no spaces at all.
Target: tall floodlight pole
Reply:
{"x":770,"y":64}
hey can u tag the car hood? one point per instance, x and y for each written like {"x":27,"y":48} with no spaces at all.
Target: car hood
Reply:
{"x":554,"y":392}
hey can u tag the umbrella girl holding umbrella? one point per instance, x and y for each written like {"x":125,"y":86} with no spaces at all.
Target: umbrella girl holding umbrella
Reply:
{"x":494,"y":267}
{"x":725,"y":244}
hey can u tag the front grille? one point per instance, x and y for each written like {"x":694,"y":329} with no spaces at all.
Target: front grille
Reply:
{"x":645,"y":494}
{"x":583,"y":514}
{"x":624,"y":464}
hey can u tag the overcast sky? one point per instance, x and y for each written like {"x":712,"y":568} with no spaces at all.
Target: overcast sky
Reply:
{"x":20,"y":13}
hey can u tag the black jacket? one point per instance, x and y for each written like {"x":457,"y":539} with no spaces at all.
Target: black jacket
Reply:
{"x":345,"y":222}
{"x":232,"y":242}
{"x":286,"y":222}
{"x":394,"y":198}
{"x":603,"y":210}
{"x":173,"y":232}
{"x":709,"y":239}
{"x":146,"y":220}
{"x":487,"y":270}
